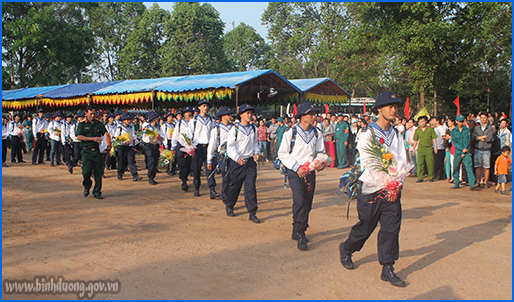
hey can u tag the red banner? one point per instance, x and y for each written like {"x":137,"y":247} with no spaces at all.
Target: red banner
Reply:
{"x":406,"y":110}
{"x":457,"y":103}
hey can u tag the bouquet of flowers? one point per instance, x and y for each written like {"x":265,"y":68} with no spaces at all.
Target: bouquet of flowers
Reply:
{"x":20,"y":131}
{"x":320,"y":157}
{"x":189,"y":146}
{"x":170,"y":133}
{"x":57,"y":131}
{"x":262,"y":156}
{"x":149,"y":136}
{"x":392,"y":171}
{"x":166,"y":159}
{"x":119,"y":141}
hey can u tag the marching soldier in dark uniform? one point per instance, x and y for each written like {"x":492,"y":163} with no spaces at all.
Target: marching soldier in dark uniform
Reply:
{"x":39,"y":124}
{"x":307,"y":142}
{"x":16,"y":138}
{"x":243,"y":151}
{"x":90,"y":134}
{"x":373,"y":205}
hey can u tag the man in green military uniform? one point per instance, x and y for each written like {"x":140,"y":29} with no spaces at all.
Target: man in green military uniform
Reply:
{"x":461,"y":137}
{"x":90,"y":133}
{"x":425,"y":140}
{"x":280,"y":132}
{"x":341,"y":136}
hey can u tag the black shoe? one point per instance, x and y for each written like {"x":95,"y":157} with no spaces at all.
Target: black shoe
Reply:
{"x":21,"y":161}
{"x":86,"y":192}
{"x":214,"y":194}
{"x":152,"y":181}
{"x":99,"y":196}
{"x":197,"y":192}
{"x":103,"y":175}
{"x":294,"y":236}
{"x":346,"y":257}
{"x":158,"y":171}
{"x":230,"y":211}
{"x":169,"y":173}
{"x":185,"y":187}
{"x":70,"y":169}
{"x":52,"y":164}
{"x":59,"y":164}
{"x":108,"y":168}
{"x":120,"y":177}
{"x":254,"y":218}
{"x":302,"y":241}
{"x":5,"y":165}
{"x":136,"y":178}
{"x":419,"y":180}
{"x":475,"y":187}
{"x":389,"y":275}
{"x":431,"y":180}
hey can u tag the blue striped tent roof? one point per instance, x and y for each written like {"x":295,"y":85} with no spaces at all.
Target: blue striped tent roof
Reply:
{"x":29,"y":93}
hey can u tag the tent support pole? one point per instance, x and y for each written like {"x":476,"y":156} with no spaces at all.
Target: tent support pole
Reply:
{"x":153,"y":100}
{"x":237,"y":97}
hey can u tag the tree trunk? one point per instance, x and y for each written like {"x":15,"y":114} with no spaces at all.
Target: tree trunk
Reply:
{"x":422,"y":98}
{"x":435,"y":102}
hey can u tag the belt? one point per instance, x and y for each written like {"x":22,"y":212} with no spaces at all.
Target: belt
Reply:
{"x":91,"y":149}
{"x":425,"y":146}
{"x":202,"y":145}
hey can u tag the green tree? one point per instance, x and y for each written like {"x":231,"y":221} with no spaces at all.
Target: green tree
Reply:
{"x":193,"y":41}
{"x":45,"y":43}
{"x":140,"y":58}
{"x":112,"y":23}
{"x":245,"y":49}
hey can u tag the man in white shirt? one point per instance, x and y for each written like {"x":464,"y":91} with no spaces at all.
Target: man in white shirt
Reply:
{"x":167,"y":129}
{"x":372,"y":204}
{"x":152,"y":146}
{"x":217,"y":149}
{"x":243,"y":151}
{"x":184,"y":159}
{"x":54,"y":129}
{"x":66,"y":140}
{"x":440,"y":131}
{"x":5,"y":137}
{"x":126,"y":153}
{"x":504,"y":134}
{"x":77,"y":148}
{"x":308,"y":140}
{"x":199,"y":131}
{"x":39,"y":124}
{"x":110,"y":126}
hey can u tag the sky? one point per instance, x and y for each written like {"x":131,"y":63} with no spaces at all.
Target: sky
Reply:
{"x":233,"y":13}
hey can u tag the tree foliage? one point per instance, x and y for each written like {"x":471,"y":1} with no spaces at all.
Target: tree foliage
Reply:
{"x":245,"y":49}
{"x":193,"y":41}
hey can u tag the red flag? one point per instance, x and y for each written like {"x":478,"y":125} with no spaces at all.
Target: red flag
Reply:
{"x":457,"y":103}
{"x":173,"y":110}
{"x":364,"y":106}
{"x":295,"y":110}
{"x":406,"y":110}
{"x":326,"y":108}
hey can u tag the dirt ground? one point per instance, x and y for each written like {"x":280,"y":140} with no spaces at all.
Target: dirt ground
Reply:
{"x":163,"y":243}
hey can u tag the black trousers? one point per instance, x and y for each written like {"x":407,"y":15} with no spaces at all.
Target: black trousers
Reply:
{"x":237,"y":175}
{"x":200,"y":158}
{"x":48,"y":148}
{"x":440,"y":169}
{"x":184,"y":164}
{"x":4,"y":150}
{"x":39,"y":150}
{"x":67,"y":154}
{"x":16,"y":149}
{"x":77,"y":155}
{"x":152,"y":155}
{"x":126,"y":156}
{"x":173,"y":166}
{"x":303,"y":193}
{"x":372,"y":209}
{"x":109,"y":161}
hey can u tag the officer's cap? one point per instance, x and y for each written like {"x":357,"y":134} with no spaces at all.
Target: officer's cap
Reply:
{"x":110,"y":115}
{"x":204,"y":101}
{"x":152,"y":115}
{"x":168,"y":114}
{"x":117,"y":112}
{"x":41,"y":110}
{"x":58,"y":113}
{"x":48,"y":114}
{"x":460,"y":118}
{"x":245,"y":107}
{"x":387,"y":98}
{"x":224,"y":111}
{"x":188,"y":109}
{"x":305,"y":108}
{"x":126,"y":116}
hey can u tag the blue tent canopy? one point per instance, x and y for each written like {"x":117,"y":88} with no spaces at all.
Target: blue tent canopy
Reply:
{"x":307,"y":84}
{"x":220,"y":80}
{"x":7,"y":92}
{"x":134,"y":85}
{"x":29,"y":93}
{"x":73,"y":90}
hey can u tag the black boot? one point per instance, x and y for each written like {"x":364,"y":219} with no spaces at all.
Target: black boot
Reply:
{"x":346,"y":257}
{"x":230,"y":211}
{"x":214,"y":194}
{"x":389,"y":275}
{"x":302,"y":241}
{"x":294,"y":236}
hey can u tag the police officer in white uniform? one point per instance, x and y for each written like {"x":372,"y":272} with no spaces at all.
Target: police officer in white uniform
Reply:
{"x":243,"y":153}
{"x":308,"y":140}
